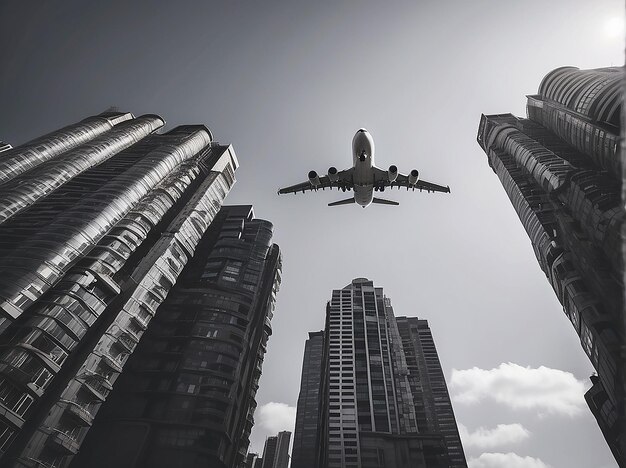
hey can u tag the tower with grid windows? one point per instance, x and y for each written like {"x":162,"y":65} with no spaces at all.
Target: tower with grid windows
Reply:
{"x":368,"y":411}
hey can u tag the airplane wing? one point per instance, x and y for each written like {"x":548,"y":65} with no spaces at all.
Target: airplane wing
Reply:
{"x":382,"y":179}
{"x":343,"y":182}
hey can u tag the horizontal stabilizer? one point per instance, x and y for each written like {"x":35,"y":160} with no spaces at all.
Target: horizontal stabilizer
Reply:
{"x":382,"y":201}
{"x":347,"y":201}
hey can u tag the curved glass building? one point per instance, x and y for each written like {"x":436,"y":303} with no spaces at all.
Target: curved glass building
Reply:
{"x":97,"y":223}
{"x":561,"y":168}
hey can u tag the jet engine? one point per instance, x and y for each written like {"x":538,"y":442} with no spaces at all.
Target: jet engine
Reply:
{"x":314,"y":178}
{"x":413,"y":177}
{"x":332,"y":174}
{"x":392,"y":173}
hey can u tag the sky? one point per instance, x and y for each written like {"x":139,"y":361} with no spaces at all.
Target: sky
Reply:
{"x":288,"y":83}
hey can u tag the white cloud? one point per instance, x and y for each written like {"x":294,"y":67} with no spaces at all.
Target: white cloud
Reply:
{"x":275,"y":417}
{"x":505,"y":460}
{"x":502,"y":434}
{"x":546,"y":390}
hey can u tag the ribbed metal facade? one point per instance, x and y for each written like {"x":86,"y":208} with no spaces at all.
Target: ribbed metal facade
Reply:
{"x":562,"y":172}
{"x":187,"y":395}
{"x":98,"y":221}
{"x":367,"y":409}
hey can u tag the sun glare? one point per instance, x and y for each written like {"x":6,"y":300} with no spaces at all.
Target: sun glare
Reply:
{"x":614,"y":27}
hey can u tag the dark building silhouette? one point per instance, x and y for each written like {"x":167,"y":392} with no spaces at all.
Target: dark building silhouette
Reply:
{"x":97,"y":222}
{"x":306,"y":436}
{"x":276,"y":451}
{"x":269,"y":452}
{"x":561,"y":168}
{"x":281,"y":460}
{"x":251,"y":459}
{"x":368,"y":410}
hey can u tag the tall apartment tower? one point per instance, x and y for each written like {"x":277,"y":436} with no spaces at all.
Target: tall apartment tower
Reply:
{"x":276,"y":451}
{"x":368,"y":410}
{"x":187,"y":395}
{"x":561,"y":168}
{"x":97,"y":222}
{"x":431,"y":399}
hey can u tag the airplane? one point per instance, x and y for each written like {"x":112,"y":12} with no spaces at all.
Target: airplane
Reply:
{"x":364,"y":177}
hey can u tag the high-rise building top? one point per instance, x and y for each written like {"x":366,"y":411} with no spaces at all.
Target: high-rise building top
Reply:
{"x":561,"y":169}
{"x":366,"y":408}
{"x":276,"y":450}
{"x":281,"y":460}
{"x":583,"y":108}
{"x":251,"y":460}
{"x":97,"y":222}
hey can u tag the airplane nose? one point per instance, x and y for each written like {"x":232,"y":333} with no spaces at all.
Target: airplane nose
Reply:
{"x":362,"y":130}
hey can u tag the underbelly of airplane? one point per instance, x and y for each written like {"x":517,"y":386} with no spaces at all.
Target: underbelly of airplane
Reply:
{"x":363,"y":194}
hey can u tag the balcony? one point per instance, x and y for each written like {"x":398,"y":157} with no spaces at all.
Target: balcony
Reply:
{"x":35,"y":463}
{"x":143,"y":324}
{"x":15,"y":374}
{"x":112,"y":362}
{"x":79,"y":412}
{"x":63,"y":442}
{"x":99,"y":392}
{"x":128,"y":340}
{"x":97,"y":384}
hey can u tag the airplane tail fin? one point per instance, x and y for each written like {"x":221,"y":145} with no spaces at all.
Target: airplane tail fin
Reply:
{"x":382,"y":201}
{"x":347,"y":201}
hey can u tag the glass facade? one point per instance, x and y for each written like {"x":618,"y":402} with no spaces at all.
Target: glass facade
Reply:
{"x":101,"y":219}
{"x":561,"y":169}
{"x":42,"y":149}
{"x":366,"y":406}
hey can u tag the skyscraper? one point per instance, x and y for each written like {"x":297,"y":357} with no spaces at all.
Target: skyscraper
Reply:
{"x":306,"y":436}
{"x":431,"y":399}
{"x":251,"y":460}
{"x":276,"y":451}
{"x":97,"y":222}
{"x":281,"y":460}
{"x":186,"y":397}
{"x":269,"y":452}
{"x":367,"y":403}
{"x":562,"y":171}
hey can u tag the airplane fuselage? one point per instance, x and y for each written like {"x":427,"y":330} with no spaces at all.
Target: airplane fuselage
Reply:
{"x":364,"y":178}
{"x":363,"y":160}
